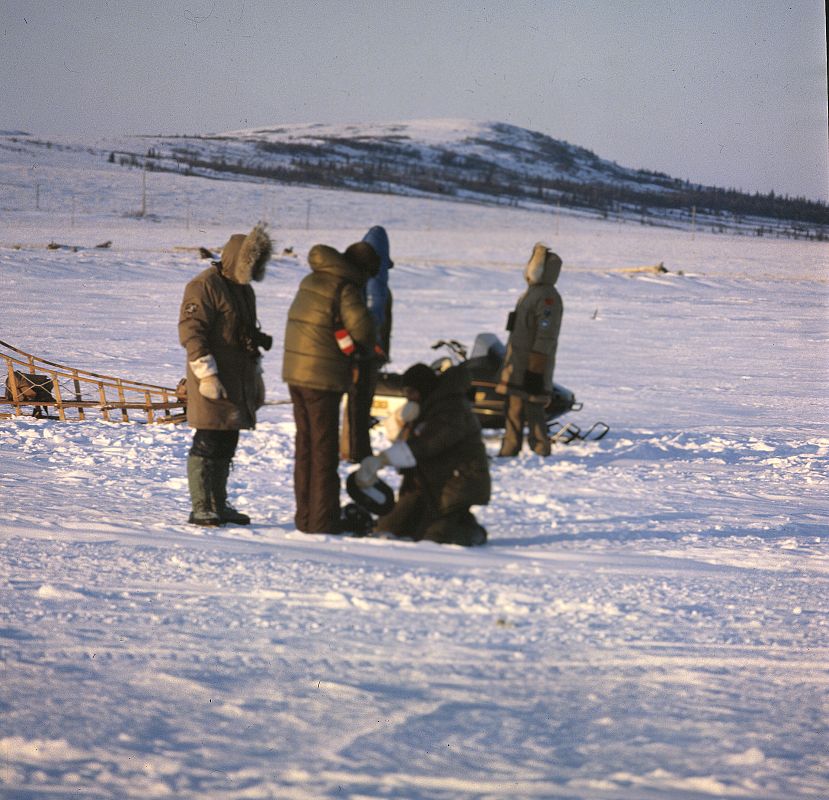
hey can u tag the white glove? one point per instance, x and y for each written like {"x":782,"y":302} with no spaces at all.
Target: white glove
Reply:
{"x":211,"y":388}
{"x":207,"y":372}
{"x":367,"y":473}
{"x":399,"y":455}
{"x":407,"y":413}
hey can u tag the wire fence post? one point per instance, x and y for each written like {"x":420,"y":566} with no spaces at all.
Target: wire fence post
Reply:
{"x":144,"y":191}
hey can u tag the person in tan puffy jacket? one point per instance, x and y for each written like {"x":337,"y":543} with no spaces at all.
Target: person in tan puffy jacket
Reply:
{"x":327,"y":322}
{"x":527,"y":374}
{"x":219,"y":330}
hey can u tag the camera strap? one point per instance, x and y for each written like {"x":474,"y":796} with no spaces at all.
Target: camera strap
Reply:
{"x":243,"y":303}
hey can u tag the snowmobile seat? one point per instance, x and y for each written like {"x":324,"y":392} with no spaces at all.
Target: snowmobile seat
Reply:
{"x":486,"y":358}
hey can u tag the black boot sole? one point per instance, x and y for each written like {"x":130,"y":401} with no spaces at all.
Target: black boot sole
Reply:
{"x":205,"y":523}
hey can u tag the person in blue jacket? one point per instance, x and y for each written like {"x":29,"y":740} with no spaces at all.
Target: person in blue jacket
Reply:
{"x":356,"y":441}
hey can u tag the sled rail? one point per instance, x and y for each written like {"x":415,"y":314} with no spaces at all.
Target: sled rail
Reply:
{"x":47,"y":390}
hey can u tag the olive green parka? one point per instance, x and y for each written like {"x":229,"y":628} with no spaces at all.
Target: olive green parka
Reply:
{"x":218,"y":318}
{"x":312,"y":357}
{"x":536,"y":323}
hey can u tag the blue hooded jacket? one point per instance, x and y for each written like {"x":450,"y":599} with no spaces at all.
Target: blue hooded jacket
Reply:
{"x":377,"y":293}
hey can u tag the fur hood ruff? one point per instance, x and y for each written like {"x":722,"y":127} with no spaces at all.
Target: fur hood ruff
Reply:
{"x":245,"y":257}
{"x":544,"y":266}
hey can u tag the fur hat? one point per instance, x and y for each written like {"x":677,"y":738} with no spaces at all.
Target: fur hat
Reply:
{"x":363,"y":256}
{"x":245,"y":256}
{"x":544,"y":265}
{"x":422,"y":378}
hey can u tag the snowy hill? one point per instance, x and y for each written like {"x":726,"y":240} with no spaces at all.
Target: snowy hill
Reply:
{"x":483,"y":162}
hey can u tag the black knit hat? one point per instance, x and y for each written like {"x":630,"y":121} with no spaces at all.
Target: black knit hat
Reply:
{"x":422,"y":378}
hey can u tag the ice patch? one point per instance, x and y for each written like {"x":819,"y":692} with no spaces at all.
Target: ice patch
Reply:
{"x":17,"y":748}
{"x":750,"y":757}
{"x":47,"y":592}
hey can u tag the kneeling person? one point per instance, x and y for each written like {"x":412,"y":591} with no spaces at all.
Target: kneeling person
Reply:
{"x":443,"y":461}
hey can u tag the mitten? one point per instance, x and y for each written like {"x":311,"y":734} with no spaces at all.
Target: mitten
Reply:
{"x":399,"y":455}
{"x":211,"y":388}
{"x":207,"y":372}
{"x":367,"y":472}
{"x":534,"y":376}
{"x":533,"y":382}
{"x":395,"y":422}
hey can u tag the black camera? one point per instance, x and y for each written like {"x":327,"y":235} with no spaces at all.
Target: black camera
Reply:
{"x":263,"y":340}
{"x":259,"y":339}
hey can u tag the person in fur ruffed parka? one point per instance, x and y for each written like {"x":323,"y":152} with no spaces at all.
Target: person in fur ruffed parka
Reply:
{"x":219,"y":330}
{"x":327,"y":322}
{"x":527,"y":375}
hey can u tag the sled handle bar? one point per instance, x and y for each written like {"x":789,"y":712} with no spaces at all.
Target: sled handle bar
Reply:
{"x":454,"y":345}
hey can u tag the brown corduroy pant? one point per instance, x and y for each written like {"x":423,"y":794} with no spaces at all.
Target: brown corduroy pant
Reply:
{"x":316,"y":458}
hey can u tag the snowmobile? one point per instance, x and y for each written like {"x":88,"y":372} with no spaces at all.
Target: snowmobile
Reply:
{"x":484,"y":365}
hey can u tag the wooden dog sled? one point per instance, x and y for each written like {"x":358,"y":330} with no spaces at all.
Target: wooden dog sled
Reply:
{"x":40,"y":388}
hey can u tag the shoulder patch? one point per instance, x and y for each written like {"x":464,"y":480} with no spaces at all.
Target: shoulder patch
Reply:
{"x":190,"y":309}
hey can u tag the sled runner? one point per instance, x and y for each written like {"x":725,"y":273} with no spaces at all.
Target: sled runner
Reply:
{"x":484,"y":365}
{"x":39,"y":388}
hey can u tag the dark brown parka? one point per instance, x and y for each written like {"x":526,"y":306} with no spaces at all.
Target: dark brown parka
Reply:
{"x":452,"y":467}
{"x":312,"y":358}
{"x":218,"y":319}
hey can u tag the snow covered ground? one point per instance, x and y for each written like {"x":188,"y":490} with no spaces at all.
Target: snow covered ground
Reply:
{"x":648,"y":620}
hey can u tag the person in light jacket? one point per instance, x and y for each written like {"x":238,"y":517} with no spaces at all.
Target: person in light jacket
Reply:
{"x":219,"y":330}
{"x":527,"y":374}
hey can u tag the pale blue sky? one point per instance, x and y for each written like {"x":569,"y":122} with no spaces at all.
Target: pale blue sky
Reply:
{"x":730,"y":93}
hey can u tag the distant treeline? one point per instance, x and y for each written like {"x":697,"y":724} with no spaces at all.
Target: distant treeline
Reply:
{"x":394,"y":166}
